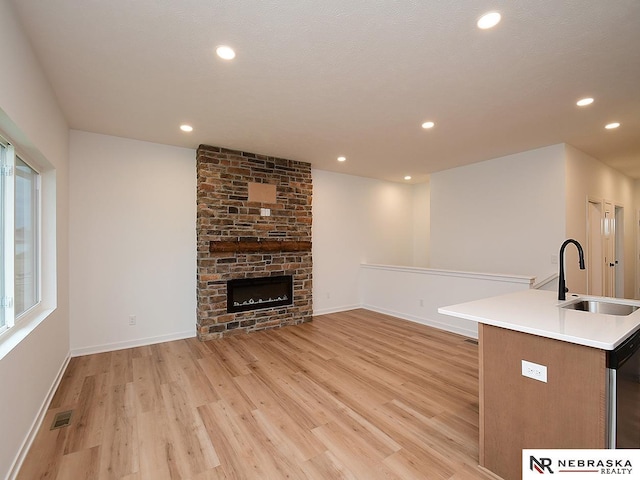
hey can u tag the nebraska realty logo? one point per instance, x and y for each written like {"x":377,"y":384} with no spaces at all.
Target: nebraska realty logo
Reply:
{"x":578,"y":464}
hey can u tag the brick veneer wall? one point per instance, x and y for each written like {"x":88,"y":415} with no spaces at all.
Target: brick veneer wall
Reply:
{"x":225,"y":214}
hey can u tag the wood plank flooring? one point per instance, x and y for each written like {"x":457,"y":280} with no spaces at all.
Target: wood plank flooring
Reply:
{"x":352,"y":395}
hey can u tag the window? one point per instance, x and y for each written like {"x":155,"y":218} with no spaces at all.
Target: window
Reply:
{"x":20,"y":232}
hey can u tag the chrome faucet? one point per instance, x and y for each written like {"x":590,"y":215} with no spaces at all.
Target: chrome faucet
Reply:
{"x":562,"y":287}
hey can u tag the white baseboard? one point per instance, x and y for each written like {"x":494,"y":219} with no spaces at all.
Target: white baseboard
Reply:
{"x":425,"y":321}
{"x":327,"y":311}
{"x":37,"y":422}
{"x":140,"y":342}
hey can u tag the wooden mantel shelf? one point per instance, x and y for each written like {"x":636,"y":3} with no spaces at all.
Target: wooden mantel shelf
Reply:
{"x":239,"y":246}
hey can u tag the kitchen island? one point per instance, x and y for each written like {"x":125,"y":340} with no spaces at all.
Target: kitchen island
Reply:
{"x":542,"y":373}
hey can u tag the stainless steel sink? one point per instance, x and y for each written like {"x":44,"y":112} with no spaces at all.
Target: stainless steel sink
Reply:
{"x":601,"y":306}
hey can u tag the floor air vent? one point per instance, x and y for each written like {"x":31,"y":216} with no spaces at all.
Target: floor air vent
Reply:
{"x":471,"y":340}
{"x":62,"y":419}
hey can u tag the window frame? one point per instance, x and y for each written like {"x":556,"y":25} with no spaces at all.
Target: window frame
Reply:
{"x":5,"y":196}
{"x":8,"y":156}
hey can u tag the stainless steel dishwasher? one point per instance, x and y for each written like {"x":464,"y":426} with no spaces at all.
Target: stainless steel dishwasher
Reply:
{"x":623,"y":402}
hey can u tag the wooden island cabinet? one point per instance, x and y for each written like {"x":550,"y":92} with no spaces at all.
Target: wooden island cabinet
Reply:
{"x":544,"y":381}
{"x":518,"y":412}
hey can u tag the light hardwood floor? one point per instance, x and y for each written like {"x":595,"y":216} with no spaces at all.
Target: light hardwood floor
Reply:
{"x":354,"y":395}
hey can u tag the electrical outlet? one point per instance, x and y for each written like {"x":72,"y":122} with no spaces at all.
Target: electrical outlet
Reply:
{"x":535,"y":371}
{"x":421,"y":302}
{"x":132,"y":319}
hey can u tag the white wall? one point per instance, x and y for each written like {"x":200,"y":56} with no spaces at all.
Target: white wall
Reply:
{"x":356,"y":220}
{"x":30,"y":117}
{"x":416,"y":293}
{"x":588,"y":178}
{"x":505,"y":215}
{"x":421,"y":222}
{"x":133,"y":242}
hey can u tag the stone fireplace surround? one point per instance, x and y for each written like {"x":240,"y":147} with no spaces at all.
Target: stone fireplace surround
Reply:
{"x":235,"y":241}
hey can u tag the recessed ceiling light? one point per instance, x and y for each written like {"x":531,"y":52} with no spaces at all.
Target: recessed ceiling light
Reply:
{"x":426,"y":125}
{"x":342,"y":159}
{"x":583,"y":102}
{"x":611,"y":126}
{"x":407,"y":177}
{"x":489,"y":20}
{"x":186,"y":128}
{"x":225,"y":52}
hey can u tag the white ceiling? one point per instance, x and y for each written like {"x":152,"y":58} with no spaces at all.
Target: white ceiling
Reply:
{"x":315,"y":79}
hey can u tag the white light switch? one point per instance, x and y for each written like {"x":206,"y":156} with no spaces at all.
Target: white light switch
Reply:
{"x":265,"y":212}
{"x":534,"y":370}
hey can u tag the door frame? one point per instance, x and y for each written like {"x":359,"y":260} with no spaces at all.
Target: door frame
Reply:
{"x":590,"y":246}
{"x":618,"y":215}
{"x":637,"y":262}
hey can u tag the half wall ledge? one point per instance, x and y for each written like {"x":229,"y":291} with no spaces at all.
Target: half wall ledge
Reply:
{"x":241,"y":246}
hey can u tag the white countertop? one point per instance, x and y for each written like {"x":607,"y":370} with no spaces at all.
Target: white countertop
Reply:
{"x":537,"y":312}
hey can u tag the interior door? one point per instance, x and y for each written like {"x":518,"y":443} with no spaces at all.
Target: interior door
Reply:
{"x":609,"y":244}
